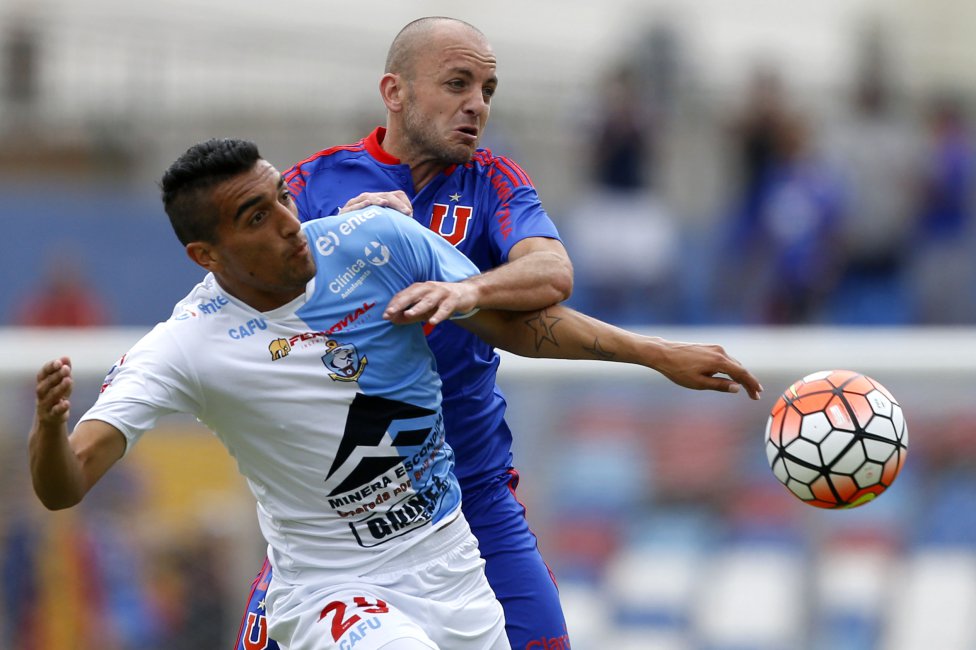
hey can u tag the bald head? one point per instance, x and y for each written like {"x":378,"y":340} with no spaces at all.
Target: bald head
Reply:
{"x":414,"y":36}
{"x":438,"y":85}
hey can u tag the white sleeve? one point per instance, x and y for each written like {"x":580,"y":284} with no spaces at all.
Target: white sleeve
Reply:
{"x":151,"y":380}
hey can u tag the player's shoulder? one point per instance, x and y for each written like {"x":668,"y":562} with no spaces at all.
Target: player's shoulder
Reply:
{"x":488,"y":164}
{"x":205,"y":300}
{"x":296,"y":175}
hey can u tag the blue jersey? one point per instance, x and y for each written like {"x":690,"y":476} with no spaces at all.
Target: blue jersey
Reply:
{"x":483,"y":208}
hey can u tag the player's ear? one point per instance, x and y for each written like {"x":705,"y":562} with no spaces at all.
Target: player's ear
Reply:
{"x":203,"y":254}
{"x":392,"y":90}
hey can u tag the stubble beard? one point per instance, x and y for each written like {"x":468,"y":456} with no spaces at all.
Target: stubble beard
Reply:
{"x":301,"y":272}
{"x":425,"y":143}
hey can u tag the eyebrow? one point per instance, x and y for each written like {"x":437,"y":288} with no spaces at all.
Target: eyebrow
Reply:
{"x":467,"y":72}
{"x":254,"y":200}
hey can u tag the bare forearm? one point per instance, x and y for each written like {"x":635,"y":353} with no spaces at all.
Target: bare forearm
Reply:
{"x":538,"y":274}
{"x":56,"y":472}
{"x":63,"y":468}
{"x":533,"y":281}
{"x":559,"y":332}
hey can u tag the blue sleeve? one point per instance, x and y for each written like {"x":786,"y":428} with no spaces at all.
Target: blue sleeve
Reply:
{"x":301,"y":201}
{"x":517,"y":210}
{"x":307,"y":199}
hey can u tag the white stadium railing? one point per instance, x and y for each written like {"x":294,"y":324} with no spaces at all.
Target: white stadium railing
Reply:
{"x":908,"y":351}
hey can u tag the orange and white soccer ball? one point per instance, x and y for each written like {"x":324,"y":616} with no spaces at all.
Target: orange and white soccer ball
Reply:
{"x":836,"y":439}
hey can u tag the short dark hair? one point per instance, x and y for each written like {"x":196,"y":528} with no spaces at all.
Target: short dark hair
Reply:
{"x":201,"y":167}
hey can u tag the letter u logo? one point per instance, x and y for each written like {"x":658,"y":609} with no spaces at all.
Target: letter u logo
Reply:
{"x":259,"y":624}
{"x":453,"y":228}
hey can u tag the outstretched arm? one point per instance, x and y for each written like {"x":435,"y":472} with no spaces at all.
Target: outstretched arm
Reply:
{"x":538,"y":274}
{"x":63,"y":468}
{"x":559,"y":332}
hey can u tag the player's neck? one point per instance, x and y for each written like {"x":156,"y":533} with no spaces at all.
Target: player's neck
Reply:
{"x":423,"y":168}
{"x":423,"y":172}
{"x":259,"y":299}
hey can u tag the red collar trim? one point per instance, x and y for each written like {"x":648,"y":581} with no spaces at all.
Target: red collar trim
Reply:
{"x":374,"y":145}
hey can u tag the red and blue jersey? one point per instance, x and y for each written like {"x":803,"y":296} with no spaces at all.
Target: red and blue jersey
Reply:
{"x":483,"y":208}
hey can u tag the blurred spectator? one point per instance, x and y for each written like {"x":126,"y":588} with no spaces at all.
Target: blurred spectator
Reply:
{"x":20,"y":54}
{"x":876,"y":149}
{"x":64,"y":298}
{"x":659,"y":56}
{"x":799,"y":215}
{"x":757,"y":135}
{"x":943,"y":239}
{"x":621,"y":149}
{"x":622,"y":237}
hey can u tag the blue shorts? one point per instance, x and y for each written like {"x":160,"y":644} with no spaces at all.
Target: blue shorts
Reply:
{"x":516,"y":571}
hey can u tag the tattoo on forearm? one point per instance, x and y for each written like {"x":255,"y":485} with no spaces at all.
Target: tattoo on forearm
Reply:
{"x":542,"y":326}
{"x":598,"y":352}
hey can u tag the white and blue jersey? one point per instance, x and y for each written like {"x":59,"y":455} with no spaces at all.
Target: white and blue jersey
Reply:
{"x":332,"y":413}
{"x":483,"y":208}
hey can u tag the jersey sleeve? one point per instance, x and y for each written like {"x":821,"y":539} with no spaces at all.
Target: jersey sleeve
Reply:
{"x":296,"y":178}
{"x":517,"y":210}
{"x":147,"y":383}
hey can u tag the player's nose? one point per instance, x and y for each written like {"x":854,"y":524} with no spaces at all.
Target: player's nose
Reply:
{"x":475,"y":104}
{"x":288,"y":221}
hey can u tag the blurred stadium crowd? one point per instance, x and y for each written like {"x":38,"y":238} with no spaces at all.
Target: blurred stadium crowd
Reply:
{"x":827,"y":177}
{"x":747,"y":163}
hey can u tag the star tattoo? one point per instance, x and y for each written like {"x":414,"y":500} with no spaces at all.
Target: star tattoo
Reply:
{"x":598,"y":351}
{"x":542,"y":326}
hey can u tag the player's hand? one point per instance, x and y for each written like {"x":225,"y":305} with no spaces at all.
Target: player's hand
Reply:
{"x":432,"y":302}
{"x":701,"y":366}
{"x":54,"y":384}
{"x":397,"y":200}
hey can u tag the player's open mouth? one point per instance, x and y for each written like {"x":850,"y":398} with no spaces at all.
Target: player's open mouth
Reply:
{"x":468,"y":133}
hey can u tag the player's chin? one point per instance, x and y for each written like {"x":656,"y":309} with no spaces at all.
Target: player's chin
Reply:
{"x":302,"y":271}
{"x":460,"y":156}
{"x":459,"y":153}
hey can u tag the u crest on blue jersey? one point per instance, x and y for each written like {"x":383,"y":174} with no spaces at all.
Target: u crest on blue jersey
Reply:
{"x":343,"y":361}
{"x":454,"y":226}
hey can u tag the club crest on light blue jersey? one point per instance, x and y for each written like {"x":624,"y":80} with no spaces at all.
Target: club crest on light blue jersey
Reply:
{"x":343,"y":361}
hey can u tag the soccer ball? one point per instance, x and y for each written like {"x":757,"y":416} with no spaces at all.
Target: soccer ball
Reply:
{"x":836,"y":439}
